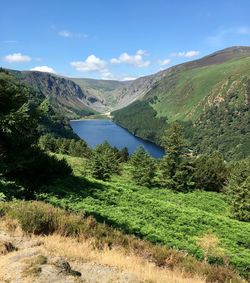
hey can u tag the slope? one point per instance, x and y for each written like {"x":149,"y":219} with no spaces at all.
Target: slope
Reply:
{"x":189,"y":92}
{"x":63,"y":94}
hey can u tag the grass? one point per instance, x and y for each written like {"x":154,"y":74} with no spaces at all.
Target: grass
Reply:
{"x":171,"y":224}
{"x":156,"y":215}
{"x":63,"y":251}
{"x":33,"y":267}
{"x":80,"y":238}
{"x":183,"y":100}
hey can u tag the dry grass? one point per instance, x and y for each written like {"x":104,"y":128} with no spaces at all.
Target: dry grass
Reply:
{"x":74,"y":249}
{"x":84,"y":239}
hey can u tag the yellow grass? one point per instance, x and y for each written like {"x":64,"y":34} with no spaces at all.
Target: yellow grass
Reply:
{"x":74,"y":249}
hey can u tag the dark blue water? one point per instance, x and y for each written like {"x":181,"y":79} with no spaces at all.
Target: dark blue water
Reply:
{"x":95,"y":132}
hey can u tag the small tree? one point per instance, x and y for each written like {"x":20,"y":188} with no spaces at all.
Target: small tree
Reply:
{"x":176,"y":167}
{"x":239,"y":190}
{"x":210,"y":172}
{"x":142,"y":167}
{"x":104,"y":162}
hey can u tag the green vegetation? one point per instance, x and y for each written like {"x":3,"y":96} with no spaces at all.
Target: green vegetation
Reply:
{"x":210,"y":172}
{"x":44,"y":219}
{"x":71,"y":147}
{"x":104,"y":162}
{"x":212,"y":102}
{"x":143,"y":167}
{"x":195,"y":204}
{"x":140,"y":118}
{"x":21,"y":159}
{"x":160,"y":216}
{"x":176,"y":167}
{"x":238,"y":188}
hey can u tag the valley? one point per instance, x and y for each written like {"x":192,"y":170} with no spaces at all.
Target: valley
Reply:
{"x":184,"y":216}
{"x":125,"y":141}
{"x":187,"y":93}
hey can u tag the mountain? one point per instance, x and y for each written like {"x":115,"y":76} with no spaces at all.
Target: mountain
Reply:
{"x":63,"y":94}
{"x":104,"y":91}
{"x":209,"y":96}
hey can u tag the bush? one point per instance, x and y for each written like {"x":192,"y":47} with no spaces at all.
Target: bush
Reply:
{"x":210,"y":172}
{"x":34,"y":217}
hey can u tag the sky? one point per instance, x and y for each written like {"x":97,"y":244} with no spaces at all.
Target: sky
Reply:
{"x":112,"y":39}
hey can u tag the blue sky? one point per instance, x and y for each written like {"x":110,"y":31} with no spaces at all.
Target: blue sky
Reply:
{"x":114,"y":39}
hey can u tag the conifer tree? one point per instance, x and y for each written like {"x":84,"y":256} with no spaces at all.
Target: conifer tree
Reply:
{"x":239,"y":189}
{"x":176,"y":167}
{"x":142,"y":167}
{"x":210,"y":172}
{"x":21,"y":159}
{"x":104,"y":162}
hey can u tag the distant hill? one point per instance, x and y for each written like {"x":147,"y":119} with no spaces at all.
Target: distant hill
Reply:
{"x":103,"y":94}
{"x":63,"y":94}
{"x":74,"y":97}
{"x":210,"y":96}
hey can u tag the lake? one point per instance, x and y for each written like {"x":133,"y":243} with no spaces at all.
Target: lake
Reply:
{"x":95,"y":132}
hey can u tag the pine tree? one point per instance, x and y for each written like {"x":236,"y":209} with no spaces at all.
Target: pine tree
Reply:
{"x":176,"y":167}
{"x":238,"y":190}
{"x":210,"y":172}
{"x":142,"y":167}
{"x":21,"y":159}
{"x":104,"y":162}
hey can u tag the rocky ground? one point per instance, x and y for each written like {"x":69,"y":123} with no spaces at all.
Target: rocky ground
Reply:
{"x":25,"y":259}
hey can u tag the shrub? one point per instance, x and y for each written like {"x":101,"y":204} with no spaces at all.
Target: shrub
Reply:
{"x":34,"y":217}
{"x":210,"y":172}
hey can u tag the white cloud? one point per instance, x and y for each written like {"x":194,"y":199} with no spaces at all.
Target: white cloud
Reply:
{"x":91,"y":64}
{"x":106,"y":74}
{"x":45,"y":69}
{"x":128,"y":79}
{"x":136,"y":60}
{"x":67,"y":33}
{"x":187,"y":54}
{"x":9,"y":41}
{"x":17,"y":58}
{"x":164,"y":62}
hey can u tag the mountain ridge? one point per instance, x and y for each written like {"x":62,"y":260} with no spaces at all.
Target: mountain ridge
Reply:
{"x":91,"y":95}
{"x":209,"y":96}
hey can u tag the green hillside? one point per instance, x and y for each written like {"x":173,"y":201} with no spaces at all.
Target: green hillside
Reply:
{"x":210,"y":98}
{"x":158,"y":215}
{"x":183,"y":96}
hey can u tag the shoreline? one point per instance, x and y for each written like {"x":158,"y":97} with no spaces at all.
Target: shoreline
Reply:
{"x":124,"y":128}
